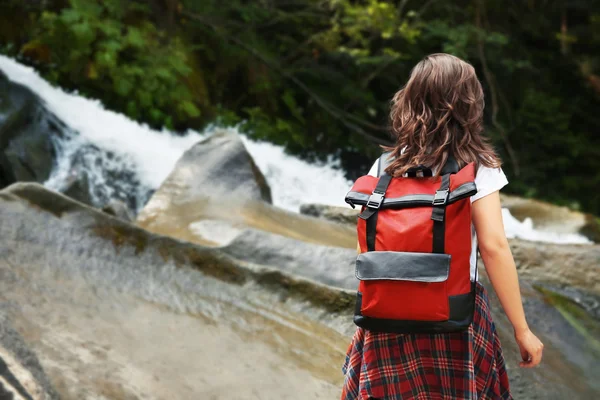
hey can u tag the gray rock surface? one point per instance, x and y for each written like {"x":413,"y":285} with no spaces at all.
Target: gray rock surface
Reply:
{"x":29,"y":135}
{"x":26,"y":131}
{"x":216,"y":180}
{"x":218,"y":169}
{"x":326,"y":264}
{"x":342,"y":215}
{"x":576,"y":266}
{"x":113,"y":311}
{"x":104,"y":292}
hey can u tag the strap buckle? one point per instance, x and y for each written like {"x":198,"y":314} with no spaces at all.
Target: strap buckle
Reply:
{"x":375,"y":200}
{"x":441,"y":197}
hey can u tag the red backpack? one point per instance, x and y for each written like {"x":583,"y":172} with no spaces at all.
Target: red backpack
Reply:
{"x":415,"y":241}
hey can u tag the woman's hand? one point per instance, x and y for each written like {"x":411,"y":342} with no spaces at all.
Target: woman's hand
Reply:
{"x":531,"y":348}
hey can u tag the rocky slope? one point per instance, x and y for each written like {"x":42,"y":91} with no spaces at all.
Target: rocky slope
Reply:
{"x":94,"y":301}
{"x":112,"y":310}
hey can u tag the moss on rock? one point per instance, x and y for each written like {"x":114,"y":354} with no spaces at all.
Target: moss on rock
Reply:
{"x":574,"y":314}
{"x":331,"y":299}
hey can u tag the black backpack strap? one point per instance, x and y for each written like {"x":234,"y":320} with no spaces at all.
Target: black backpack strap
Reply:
{"x":438,"y":214}
{"x":476,"y":265}
{"x":451,"y":166}
{"x":370,"y":212}
{"x":376,"y":199}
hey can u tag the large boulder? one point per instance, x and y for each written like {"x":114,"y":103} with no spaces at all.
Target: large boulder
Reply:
{"x":94,"y":294}
{"x":26,"y":132}
{"x":217,"y":169}
{"x":29,"y":142}
{"x":217,"y":180}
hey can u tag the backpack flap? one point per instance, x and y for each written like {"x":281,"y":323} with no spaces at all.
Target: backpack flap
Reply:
{"x":401,"y":266}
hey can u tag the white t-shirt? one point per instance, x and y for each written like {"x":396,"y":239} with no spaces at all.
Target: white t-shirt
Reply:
{"x":488,"y":181}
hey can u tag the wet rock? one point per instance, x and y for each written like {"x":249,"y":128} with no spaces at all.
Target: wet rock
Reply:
{"x":118,"y":209}
{"x":217,"y":169}
{"x":77,"y":187}
{"x":98,"y":240}
{"x":7,"y":177}
{"x":326,"y":264}
{"x":94,"y":185}
{"x":27,"y":129}
{"x":342,"y":215}
{"x":94,"y":294}
{"x":217,"y":180}
{"x":29,"y":142}
{"x":582,"y":303}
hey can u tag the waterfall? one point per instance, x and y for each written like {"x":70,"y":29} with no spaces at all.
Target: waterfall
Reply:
{"x":125,"y":160}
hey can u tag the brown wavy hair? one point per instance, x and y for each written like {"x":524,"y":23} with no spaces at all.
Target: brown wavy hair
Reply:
{"x":439,"y":112}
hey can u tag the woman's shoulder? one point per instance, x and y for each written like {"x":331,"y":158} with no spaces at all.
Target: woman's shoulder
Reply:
{"x":489,"y":173}
{"x":488,"y":180}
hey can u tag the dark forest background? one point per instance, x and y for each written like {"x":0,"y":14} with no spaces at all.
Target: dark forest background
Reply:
{"x":317,"y":75}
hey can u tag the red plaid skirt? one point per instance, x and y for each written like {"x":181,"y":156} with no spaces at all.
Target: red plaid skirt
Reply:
{"x":462,"y":365}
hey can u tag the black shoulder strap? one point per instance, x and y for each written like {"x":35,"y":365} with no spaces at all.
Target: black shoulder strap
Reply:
{"x":438,"y":215}
{"x":370,"y":212}
{"x":451,"y":166}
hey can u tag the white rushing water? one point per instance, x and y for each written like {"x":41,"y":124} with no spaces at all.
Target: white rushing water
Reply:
{"x":124,"y":159}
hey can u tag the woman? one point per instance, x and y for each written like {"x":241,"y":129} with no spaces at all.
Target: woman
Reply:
{"x":439,"y":112}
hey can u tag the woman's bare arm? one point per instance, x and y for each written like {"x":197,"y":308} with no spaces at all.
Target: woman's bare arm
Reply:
{"x":500,"y":267}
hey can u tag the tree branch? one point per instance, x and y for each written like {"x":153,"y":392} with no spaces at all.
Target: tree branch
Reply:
{"x":489,"y":77}
{"x":401,"y":8}
{"x":333,"y":111}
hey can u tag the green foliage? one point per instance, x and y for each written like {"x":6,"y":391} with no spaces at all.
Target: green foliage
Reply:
{"x":111,"y":45}
{"x":358,"y":26}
